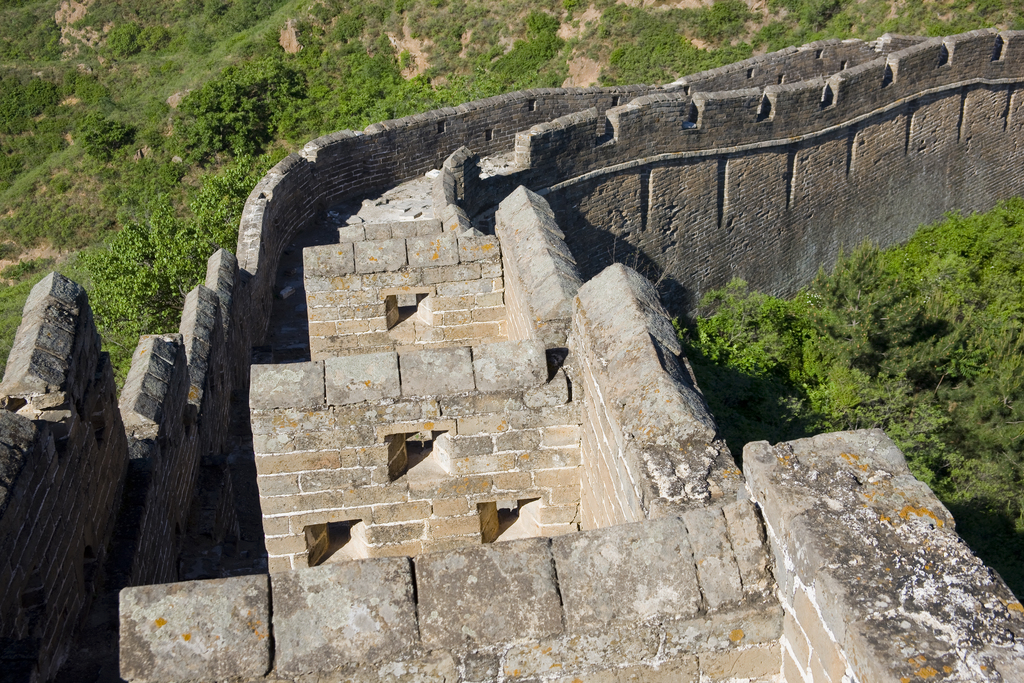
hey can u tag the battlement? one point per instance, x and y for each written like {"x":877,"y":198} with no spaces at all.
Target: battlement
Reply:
{"x":464,"y":388}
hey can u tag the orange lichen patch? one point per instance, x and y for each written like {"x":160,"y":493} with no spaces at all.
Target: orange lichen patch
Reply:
{"x":920,"y":512}
{"x":849,"y":457}
{"x":736,"y":635}
{"x":948,"y":669}
{"x":927,"y":672}
{"x":186,"y":636}
{"x":904,"y":679}
{"x":160,"y":622}
{"x":1015,"y":607}
{"x":883,"y":518}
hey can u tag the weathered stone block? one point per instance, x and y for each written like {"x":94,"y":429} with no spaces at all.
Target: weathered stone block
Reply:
{"x":329,"y":260}
{"x":366,"y":377}
{"x":488,"y":595}
{"x":716,"y":564}
{"x":292,"y":385}
{"x":330,"y":616}
{"x":435,"y":250}
{"x":554,"y":393}
{"x":642,"y":572}
{"x":510,"y":364}
{"x":379,"y":255}
{"x":436,"y":371}
{"x":208,"y":630}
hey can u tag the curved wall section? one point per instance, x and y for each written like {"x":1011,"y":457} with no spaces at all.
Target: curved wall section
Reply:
{"x":769,"y":184}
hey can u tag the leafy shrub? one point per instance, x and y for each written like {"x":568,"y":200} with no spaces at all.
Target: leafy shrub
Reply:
{"x":527,"y":64}
{"x":140,"y":280}
{"x":101,"y":137}
{"x":19,"y":103}
{"x":724,"y":19}
{"x":240,"y":109}
{"x":124,"y":40}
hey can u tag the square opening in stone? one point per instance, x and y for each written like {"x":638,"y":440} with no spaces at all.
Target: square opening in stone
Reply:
{"x":506,"y":520}
{"x":334,"y":542}
{"x":412,"y":454}
{"x":399,"y":308}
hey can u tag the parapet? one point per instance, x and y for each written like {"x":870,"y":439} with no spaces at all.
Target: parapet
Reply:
{"x":666,"y":600}
{"x":540,"y":272}
{"x":642,"y":411}
{"x":876,"y":584}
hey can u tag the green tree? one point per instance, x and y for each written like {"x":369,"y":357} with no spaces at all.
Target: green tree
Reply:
{"x":102,"y":137}
{"x":239,"y":111}
{"x":139,"y":281}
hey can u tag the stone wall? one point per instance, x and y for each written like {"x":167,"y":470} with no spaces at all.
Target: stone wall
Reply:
{"x":677,"y":183}
{"x":540,"y":274}
{"x":930,"y":126}
{"x":63,"y":455}
{"x":415,"y":449}
{"x":875,"y":582}
{"x":404,"y":284}
{"x":650,"y":445}
{"x":100,"y":489}
{"x":662,"y":600}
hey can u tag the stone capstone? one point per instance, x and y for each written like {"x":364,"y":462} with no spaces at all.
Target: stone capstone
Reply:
{"x":366,"y":377}
{"x":488,"y":594}
{"x":206,"y":630}
{"x":290,"y":385}
{"x":324,"y":619}
{"x":427,"y":372}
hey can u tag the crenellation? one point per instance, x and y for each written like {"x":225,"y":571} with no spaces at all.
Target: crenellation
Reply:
{"x":516,"y":403}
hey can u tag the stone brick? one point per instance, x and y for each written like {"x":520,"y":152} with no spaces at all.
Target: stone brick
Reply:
{"x":478,"y":424}
{"x":627,"y":574}
{"x":453,"y":526}
{"x":195,"y":630}
{"x":436,"y":371}
{"x":435,"y":250}
{"x":451,"y":506}
{"x":554,"y":393}
{"x":557,"y":478}
{"x":330,"y":260}
{"x":567,"y":435}
{"x":757,"y":662}
{"x":325,"y":618}
{"x":401,"y":512}
{"x":294,"y":385}
{"x":716,"y":564}
{"x":379,"y":255}
{"x":518,"y":440}
{"x":797,"y":640}
{"x":366,"y":377}
{"x":547,"y":458}
{"x":378,"y":534}
{"x":515,"y":481}
{"x":488,"y":595}
{"x":478,"y":248}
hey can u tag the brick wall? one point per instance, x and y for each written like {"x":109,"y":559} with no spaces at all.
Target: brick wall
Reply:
{"x":335,"y":442}
{"x":397,"y":285}
{"x":665,"y":601}
{"x":64,"y":458}
{"x":675,"y":184}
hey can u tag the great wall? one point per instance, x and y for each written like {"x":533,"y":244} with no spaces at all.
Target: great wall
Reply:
{"x":479,"y":453}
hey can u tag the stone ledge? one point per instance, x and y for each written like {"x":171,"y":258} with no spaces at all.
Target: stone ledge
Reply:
{"x":877,"y":568}
{"x":196,"y":630}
